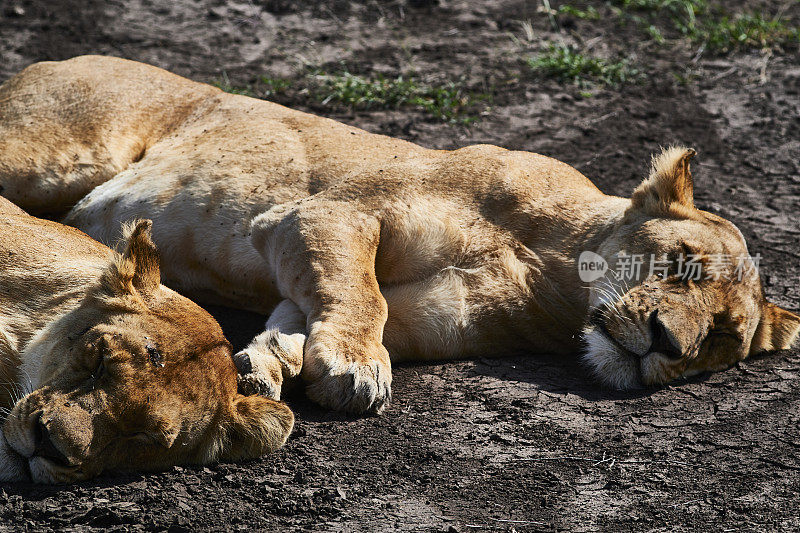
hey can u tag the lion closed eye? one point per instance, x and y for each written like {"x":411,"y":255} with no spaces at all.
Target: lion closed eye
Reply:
{"x":701,"y":308}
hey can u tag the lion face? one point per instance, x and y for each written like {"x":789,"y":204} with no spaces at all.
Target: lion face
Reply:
{"x":695,"y":303}
{"x":137,"y":377}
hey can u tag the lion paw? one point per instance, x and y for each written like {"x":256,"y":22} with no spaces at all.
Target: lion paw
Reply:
{"x":259,"y":374}
{"x":359,"y":388}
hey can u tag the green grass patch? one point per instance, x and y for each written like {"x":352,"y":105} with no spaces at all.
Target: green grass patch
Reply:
{"x":226,"y":85}
{"x":747,"y":30}
{"x":590,"y":13}
{"x":685,"y":17}
{"x":709,"y":24}
{"x":273,"y":86}
{"x":567,"y":63}
{"x":263,"y":87}
{"x":448,"y":102}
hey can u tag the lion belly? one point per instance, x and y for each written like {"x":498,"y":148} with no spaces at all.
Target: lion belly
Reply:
{"x":211,"y":260}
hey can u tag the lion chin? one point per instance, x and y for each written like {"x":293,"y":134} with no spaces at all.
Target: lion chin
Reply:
{"x":608,"y":362}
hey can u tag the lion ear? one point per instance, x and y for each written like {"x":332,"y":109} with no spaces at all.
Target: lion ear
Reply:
{"x":138,"y":270}
{"x":777,"y":330}
{"x":258,"y":426}
{"x":669,"y":184}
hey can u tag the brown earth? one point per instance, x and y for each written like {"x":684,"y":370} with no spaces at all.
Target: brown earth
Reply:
{"x":510,"y":444}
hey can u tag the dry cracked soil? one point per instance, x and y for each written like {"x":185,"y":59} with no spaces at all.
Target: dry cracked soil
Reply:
{"x":505,"y":444}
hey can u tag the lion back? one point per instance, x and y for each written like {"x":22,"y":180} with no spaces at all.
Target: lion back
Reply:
{"x":8,"y":208}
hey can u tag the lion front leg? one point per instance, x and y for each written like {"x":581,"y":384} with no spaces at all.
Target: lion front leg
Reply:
{"x":275,"y":355}
{"x":323,"y":258}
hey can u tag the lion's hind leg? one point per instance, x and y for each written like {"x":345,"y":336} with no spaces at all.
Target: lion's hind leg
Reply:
{"x":68,"y":126}
{"x":56,"y":144}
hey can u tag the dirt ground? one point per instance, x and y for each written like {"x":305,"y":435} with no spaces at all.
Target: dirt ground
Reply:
{"x":511,"y":444}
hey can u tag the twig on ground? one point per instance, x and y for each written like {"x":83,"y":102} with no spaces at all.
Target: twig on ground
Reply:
{"x":723,"y":74}
{"x":671,"y":462}
{"x":699,"y":54}
{"x":507,"y":521}
{"x":594,"y":121}
{"x":685,"y":503}
{"x":762,"y":75}
{"x":551,"y":14}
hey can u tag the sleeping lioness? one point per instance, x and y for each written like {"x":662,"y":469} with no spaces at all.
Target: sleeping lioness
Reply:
{"x":104,"y":368}
{"x":365,"y":247}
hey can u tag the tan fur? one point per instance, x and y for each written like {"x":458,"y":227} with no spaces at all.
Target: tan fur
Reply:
{"x":385,"y":247}
{"x":669,"y":189}
{"x":119,"y":371}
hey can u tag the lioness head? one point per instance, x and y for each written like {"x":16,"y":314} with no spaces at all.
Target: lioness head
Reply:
{"x":681,"y":294}
{"x":137,"y":377}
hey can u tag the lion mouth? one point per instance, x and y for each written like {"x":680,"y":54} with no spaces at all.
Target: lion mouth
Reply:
{"x":37,"y":454}
{"x":601,"y":327}
{"x":45,"y":470}
{"x":615,"y":365}
{"x":621,"y":368}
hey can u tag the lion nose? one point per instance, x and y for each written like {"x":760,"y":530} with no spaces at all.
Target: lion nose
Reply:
{"x":662,"y":341}
{"x":44,"y":446}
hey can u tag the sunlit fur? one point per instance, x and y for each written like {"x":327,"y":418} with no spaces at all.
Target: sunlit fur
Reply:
{"x":386,"y":248}
{"x":605,"y":360}
{"x":713,"y":323}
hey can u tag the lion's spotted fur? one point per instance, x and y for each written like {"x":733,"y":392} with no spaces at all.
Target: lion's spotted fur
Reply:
{"x":168,"y":391}
{"x":385,"y":247}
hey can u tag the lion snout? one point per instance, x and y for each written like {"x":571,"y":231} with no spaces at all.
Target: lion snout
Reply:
{"x":44,"y":446}
{"x":661,"y":339}
{"x":51,"y":428}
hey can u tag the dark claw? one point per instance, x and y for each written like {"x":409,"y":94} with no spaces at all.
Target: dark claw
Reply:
{"x":243,"y":363}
